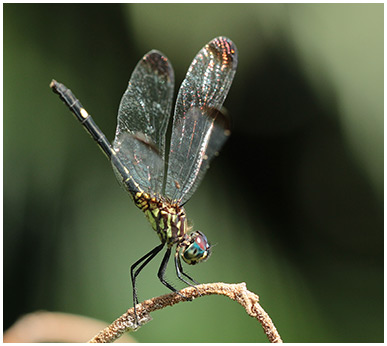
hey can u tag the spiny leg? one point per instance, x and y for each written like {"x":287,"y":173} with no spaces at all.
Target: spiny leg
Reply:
{"x":179,"y":271}
{"x":147,"y":258}
{"x":161,"y":273}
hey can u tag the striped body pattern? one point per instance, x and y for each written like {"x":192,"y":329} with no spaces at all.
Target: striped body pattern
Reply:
{"x":168,"y":220}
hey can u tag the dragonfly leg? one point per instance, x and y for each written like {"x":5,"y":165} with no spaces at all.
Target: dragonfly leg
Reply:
{"x":161,"y":273}
{"x":179,"y":272}
{"x":146,"y":259}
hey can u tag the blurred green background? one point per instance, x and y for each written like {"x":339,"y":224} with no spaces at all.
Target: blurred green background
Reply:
{"x":294,"y":203}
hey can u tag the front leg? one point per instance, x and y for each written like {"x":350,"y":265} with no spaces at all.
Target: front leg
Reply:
{"x":179,"y":271}
{"x":161,"y":273}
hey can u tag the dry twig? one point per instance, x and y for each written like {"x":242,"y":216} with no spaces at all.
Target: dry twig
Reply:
{"x":237,"y":292}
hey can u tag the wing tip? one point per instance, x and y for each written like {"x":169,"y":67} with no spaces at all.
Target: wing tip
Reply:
{"x":158,"y":62}
{"x":225,"y":50}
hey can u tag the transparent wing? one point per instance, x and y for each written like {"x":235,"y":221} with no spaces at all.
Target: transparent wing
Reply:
{"x":203,"y":132}
{"x":143,"y":118}
{"x":145,"y":167}
{"x":199,"y":128}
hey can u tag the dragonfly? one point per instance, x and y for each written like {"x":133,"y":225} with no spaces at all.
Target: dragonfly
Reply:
{"x":161,"y":173}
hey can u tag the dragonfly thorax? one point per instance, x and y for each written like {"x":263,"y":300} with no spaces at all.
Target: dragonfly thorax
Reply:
{"x":170,"y":222}
{"x":167,"y":219}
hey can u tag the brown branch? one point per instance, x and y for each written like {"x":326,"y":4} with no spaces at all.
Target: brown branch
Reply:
{"x":237,"y":292}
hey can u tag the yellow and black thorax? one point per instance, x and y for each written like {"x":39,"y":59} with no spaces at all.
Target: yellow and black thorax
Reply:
{"x":167,"y":219}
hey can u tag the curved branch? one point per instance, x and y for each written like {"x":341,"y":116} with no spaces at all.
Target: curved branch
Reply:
{"x":237,"y":292}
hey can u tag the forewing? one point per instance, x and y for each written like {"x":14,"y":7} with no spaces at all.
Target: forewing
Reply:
{"x":143,"y":118}
{"x":199,"y":127}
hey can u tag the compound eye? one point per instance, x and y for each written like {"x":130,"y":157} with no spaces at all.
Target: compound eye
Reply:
{"x":198,"y":250}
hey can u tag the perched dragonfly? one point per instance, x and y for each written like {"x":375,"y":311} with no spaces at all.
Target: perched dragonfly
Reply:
{"x":140,"y":149}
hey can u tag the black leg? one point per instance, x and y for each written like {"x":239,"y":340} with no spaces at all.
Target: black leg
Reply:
{"x":179,"y":272}
{"x":146,"y":258}
{"x":161,"y":272}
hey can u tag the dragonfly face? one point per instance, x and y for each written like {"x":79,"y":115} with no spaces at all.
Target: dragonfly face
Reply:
{"x":160,"y":181}
{"x":196,"y":249}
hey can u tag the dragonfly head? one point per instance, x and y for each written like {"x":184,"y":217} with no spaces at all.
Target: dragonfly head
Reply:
{"x":195,"y":248}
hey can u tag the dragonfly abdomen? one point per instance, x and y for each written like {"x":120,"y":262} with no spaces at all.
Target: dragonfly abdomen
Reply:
{"x":168,"y":220}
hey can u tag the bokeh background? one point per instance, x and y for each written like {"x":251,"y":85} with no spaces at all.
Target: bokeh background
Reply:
{"x":294,"y":203}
